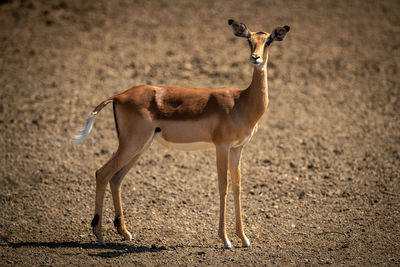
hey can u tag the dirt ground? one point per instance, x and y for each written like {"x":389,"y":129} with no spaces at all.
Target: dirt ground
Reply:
{"x":320,"y":178}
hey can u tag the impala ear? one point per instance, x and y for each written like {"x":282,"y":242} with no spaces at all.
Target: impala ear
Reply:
{"x":279,"y":33}
{"x":239,"y":29}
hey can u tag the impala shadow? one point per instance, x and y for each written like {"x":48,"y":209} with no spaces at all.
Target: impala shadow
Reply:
{"x":111,"y":250}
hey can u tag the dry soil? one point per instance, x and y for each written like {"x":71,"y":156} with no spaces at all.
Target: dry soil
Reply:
{"x":320,"y":178}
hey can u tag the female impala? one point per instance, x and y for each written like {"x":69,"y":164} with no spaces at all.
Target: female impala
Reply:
{"x":187,"y":118}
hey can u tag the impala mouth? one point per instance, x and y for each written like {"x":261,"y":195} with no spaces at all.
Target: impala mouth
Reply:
{"x":257,"y":61}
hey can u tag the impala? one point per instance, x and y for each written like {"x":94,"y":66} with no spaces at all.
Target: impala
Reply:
{"x":189,"y":119}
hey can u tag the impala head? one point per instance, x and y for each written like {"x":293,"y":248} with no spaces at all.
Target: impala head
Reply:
{"x":259,"y":41}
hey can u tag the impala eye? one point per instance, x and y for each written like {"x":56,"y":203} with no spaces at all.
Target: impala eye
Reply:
{"x":250,"y":42}
{"x":268,"y":42}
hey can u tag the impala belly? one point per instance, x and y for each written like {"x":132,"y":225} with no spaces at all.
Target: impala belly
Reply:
{"x":184,"y":146}
{"x":191,"y":146}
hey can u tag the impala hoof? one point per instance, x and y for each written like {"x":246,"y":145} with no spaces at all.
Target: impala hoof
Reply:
{"x":127,"y":236}
{"x":100,"y":241}
{"x":245,"y":242}
{"x":227,"y":244}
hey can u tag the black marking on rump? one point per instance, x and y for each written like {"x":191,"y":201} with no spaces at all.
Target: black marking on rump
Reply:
{"x":95,"y":220}
{"x":157,"y":130}
{"x":117,"y":221}
{"x":115,"y":119}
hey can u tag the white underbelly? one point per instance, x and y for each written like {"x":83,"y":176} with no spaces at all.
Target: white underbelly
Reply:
{"x":184,"y":146}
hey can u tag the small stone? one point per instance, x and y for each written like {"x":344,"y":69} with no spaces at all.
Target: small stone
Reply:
{"x":57,"y":142}
{"x":187,"y":66}
{"x":337,"y":151}
{"x":266,"y":161}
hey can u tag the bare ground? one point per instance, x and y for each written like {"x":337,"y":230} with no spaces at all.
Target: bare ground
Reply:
{"x":320,"y":178}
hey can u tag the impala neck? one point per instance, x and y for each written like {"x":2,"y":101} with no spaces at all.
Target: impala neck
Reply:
{"x":258,"y":92}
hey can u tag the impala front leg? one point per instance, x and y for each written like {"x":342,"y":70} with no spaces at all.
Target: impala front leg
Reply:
{"x":234,"y":169}
{"x":222,"y":167}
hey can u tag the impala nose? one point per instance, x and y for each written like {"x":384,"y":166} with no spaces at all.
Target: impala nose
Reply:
{"x":256,"y":59}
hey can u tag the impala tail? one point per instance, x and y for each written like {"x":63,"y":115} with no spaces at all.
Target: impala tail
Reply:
{"x":89,"y":122}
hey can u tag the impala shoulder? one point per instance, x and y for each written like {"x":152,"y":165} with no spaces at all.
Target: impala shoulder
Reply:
{"x":227,"y":92}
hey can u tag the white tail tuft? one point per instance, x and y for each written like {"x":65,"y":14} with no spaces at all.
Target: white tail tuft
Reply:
{"x":86,"y":130}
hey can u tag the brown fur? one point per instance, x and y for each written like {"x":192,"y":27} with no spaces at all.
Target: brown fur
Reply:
{"x":225,"y":107}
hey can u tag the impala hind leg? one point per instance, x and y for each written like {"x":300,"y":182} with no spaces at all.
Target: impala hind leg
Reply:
{"x":234,"y":169}
{"x":103,"y":175}
{"x":222,"y":169}
{"x":115,"y":167}
{"x":115,"y":185}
